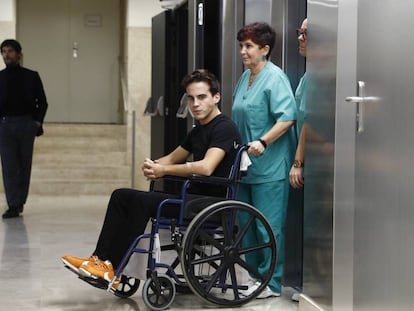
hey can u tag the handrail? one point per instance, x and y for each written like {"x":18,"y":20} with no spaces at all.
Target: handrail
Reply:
{"x":126,"y":97}
{"x":124,"y":86}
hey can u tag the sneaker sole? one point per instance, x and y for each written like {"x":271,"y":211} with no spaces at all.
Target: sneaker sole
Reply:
{"x":86,"y":273}
{"x":70,"y":266}
{"x":83,"y":272}
{"x":249,"y":291}
{"x":244,"y":294}
{"x":268,"y":296}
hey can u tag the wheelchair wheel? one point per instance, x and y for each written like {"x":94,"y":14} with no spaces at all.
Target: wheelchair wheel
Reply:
{"x":127,"y":287}
{"x":158,"y":292}
{"x":213,"y":257}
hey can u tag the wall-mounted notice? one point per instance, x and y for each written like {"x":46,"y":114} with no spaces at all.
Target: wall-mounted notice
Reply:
{"x":93,"y":20}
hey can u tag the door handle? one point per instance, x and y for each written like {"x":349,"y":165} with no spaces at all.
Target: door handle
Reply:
{"x":360,"y":100}
{"x":75,"y":49}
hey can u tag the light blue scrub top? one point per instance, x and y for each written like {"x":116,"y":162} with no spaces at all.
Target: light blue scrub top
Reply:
{"x":255,"y":111}
{"x":300,"y":97}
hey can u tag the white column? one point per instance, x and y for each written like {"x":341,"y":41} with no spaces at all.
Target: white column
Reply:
{"x":7,"y":21}
{"x":140,"y":12}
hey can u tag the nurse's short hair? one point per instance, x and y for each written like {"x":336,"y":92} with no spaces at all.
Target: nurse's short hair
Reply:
{"x":260,"y":33}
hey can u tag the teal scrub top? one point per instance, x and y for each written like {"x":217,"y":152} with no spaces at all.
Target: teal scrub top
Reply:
{"x":300,"y":97}
{"x":255,"y":111}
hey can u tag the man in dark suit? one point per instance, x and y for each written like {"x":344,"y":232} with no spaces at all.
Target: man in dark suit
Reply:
{"x":23,"y":107}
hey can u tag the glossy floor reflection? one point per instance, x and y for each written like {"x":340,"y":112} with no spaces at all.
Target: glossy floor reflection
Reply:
{"x":33,"y":277}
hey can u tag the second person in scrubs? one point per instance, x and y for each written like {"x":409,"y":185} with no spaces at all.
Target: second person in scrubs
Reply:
{"x":264,"y":109}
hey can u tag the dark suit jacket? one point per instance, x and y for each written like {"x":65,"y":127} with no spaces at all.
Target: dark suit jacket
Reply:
{"x":34,"y":94}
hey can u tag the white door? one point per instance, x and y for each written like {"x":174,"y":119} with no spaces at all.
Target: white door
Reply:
{"x":384,"y":181}
{"x":74,"y":44}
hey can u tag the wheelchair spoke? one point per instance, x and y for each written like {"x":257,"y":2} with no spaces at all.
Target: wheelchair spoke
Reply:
{"x":255,"y":248}
{"x":215,"y":275}
{"x":154,"y":297}
{"x":242,"y":233}
{"x":208,"y":238}
{"x":206,"y":259}
{"x":203,"y":254}
{"x":252,"y":271}
{"x":233,"y":277}
{"x":228,"y":221}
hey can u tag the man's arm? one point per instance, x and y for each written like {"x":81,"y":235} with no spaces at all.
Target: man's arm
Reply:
{"x":296,"y":173}
{"x":179,"y":155}
{"x":165,"y":166}
{"x":40,"y":98}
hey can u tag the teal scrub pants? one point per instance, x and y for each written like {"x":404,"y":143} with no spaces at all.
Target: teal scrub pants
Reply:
{"x":271,"y":199}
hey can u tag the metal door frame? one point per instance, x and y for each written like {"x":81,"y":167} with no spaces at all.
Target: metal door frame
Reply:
{"x":338,"y":35}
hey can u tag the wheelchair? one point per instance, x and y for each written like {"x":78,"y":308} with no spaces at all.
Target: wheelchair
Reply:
{"x":207,"y":237}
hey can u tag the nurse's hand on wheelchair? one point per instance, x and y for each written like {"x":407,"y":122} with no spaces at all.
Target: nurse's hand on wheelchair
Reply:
{"x":255,"y":148}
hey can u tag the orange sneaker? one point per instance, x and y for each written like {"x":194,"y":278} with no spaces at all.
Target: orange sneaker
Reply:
{"x":74,"y":263}
{"x":99,"y":269}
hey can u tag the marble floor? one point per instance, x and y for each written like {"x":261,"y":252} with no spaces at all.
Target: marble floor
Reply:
{"x":33,"y":277}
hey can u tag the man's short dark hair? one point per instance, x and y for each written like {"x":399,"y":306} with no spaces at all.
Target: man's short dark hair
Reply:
{"x":203,"y":75}
{"x":14,"y":44}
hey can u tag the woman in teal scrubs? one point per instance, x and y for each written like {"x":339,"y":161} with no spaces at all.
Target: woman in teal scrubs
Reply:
{"x":264,"y":110}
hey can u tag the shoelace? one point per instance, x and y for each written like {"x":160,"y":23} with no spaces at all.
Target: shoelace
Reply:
{"x":101,"y":265}
{"x":94,"y":258}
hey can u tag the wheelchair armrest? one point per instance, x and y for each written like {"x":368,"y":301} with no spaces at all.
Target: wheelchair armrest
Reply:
{"x":195,"y":178}
{"x":199,"y":178}
{"x":177,"y":179}
{"x":210,"y":179}
{"x":174,"y":178}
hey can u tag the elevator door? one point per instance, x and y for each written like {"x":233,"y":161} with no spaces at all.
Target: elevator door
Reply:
{"x":74,"y":44}
{"x":384,"y":196}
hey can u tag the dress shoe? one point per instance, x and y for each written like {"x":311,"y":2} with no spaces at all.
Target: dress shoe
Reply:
{"x":11,"y":213}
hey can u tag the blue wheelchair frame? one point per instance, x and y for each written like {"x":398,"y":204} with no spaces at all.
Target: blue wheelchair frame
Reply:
{"x":231,"y":183}
{"x":218,"y":219}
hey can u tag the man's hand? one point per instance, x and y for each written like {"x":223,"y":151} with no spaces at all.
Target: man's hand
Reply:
{"x":152,"y":169}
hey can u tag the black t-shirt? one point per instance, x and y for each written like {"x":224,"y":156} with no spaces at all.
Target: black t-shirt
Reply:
{"x":221,"y":132}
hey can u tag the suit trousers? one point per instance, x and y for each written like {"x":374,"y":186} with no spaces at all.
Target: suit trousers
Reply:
{"x":17,"y":135}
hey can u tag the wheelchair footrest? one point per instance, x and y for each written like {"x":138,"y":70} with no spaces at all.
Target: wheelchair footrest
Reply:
{"x":96,"y":282}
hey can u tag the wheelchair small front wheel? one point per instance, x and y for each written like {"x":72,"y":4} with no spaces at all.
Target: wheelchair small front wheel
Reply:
{"x":158,"y":292}
{"x":127,"y":287}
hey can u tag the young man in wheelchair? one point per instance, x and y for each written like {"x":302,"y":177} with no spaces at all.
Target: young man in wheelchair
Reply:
{"x":213,"y":143}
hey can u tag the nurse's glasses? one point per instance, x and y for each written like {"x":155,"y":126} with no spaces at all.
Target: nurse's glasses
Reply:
{"x":302,"y":32}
